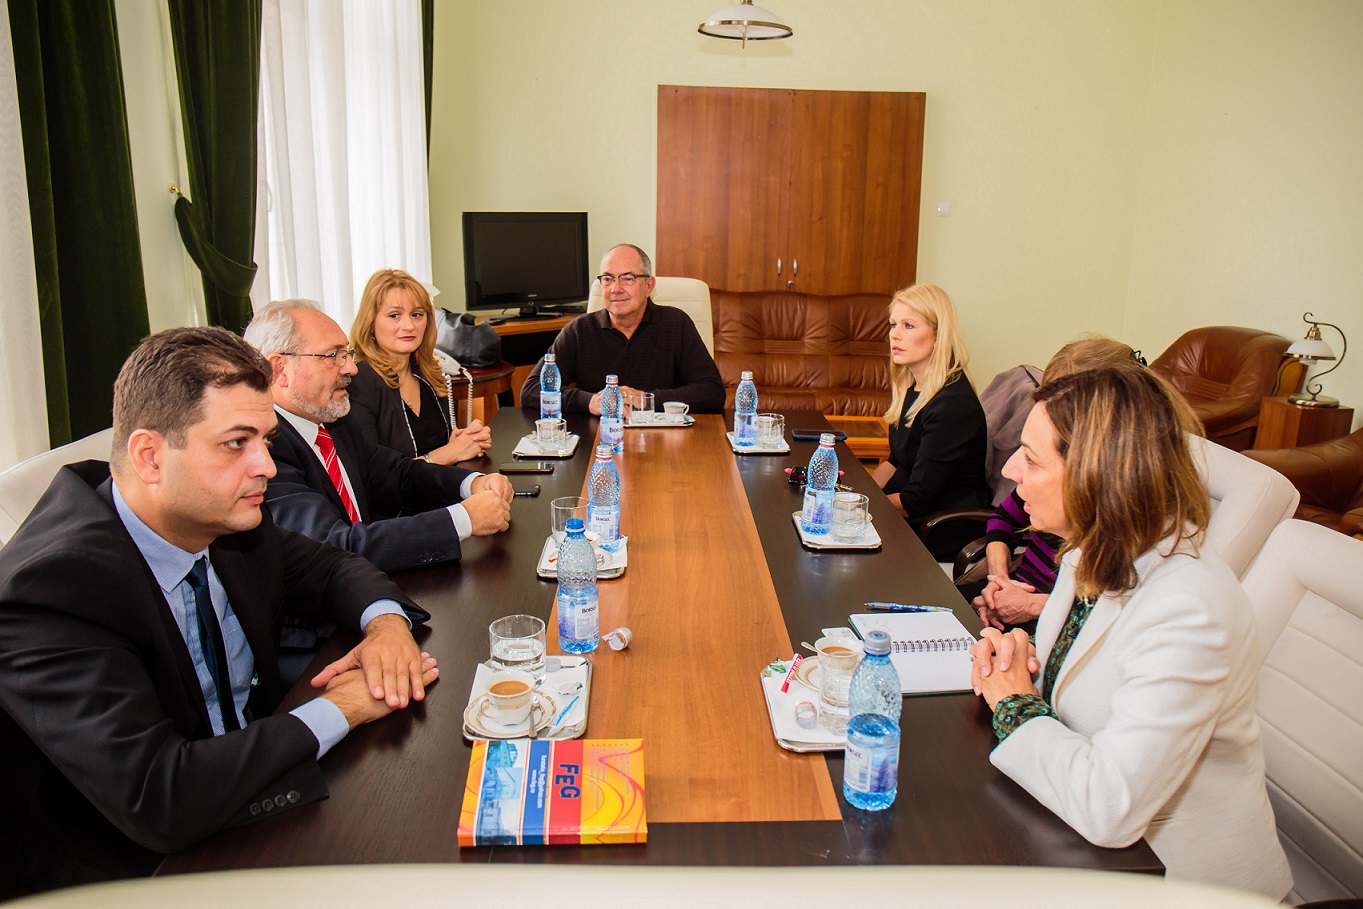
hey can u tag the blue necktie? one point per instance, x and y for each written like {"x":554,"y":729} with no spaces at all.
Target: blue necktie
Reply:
{"x":210,"y":640}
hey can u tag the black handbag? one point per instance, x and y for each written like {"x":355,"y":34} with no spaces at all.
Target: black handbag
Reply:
{"x":473,"y":344}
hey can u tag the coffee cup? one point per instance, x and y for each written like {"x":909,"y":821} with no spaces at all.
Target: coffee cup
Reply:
{"x":510,"y":694}
{"x":675,"y":411}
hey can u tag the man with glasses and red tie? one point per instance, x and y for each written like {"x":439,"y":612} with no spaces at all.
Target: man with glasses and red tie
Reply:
{"x":397,"y":512}
{"x":652,"y":348}
{"x":140,"y":608}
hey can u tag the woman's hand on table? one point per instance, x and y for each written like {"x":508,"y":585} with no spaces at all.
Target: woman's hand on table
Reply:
{"x":1003,"y":664}
{"x":464,"y":444}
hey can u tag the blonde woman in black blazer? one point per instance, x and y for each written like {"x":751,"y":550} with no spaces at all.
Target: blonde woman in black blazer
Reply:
{"x":400,"y":399}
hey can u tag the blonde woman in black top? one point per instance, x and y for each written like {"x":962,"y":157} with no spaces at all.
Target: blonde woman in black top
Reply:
{"x":938,"y":437}
{"x":399,"y":398}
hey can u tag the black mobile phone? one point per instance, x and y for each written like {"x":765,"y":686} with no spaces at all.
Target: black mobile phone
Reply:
{"x":533,"y":490}
{"x":812,"y":435}
{"x":526,"y":467}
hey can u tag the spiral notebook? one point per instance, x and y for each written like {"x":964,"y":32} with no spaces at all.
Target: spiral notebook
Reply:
{"x":929,"y":650}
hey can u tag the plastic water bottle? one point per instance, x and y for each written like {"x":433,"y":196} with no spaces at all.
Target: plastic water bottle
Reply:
{"x":603,"y":500}
{"x":551,"y":390}
{"x":613,"y":415}
{"x":870,"y":772}
{"x":579,"y":621}
{"x":820,"y":482}
{"x":745,"y":412}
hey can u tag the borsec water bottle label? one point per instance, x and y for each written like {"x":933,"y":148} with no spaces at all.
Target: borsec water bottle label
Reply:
{"x":586,"y":615}
{"x":817,"y":517}
{"x":551,"y":405}
{"x":604,"y":521}
{"x":856,"y":767}
{"x":613,"y":434}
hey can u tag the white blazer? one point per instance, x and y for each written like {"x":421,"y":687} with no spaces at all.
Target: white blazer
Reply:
{"x":1157,"y":733}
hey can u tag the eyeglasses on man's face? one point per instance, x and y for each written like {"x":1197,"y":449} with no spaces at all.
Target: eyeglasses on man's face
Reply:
{"x":625,"y":280}
{"x":336,"y":357}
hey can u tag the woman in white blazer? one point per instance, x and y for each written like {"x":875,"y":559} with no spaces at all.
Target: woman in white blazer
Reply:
{"x":1134,"y":714}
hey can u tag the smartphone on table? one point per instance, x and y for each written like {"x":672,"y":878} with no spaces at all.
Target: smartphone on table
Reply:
{"x":526,"y":467}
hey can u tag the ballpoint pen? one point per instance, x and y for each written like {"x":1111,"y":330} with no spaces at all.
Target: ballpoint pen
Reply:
{"x":905,"y":607}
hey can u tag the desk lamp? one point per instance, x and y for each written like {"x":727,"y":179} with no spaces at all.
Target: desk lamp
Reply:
{"x":1312,"y":349}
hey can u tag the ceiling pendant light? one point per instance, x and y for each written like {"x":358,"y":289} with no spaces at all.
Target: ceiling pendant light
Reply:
{"x":745,"y":22}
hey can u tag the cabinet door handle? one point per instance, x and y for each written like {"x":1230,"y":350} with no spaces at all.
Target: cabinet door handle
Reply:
{"x":795,"y":268}
{"x":778,"y":266}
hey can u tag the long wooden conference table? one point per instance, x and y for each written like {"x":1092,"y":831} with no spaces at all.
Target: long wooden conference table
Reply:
{"x":717,"y":586}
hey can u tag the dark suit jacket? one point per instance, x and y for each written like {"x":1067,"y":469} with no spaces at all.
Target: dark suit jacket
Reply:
{"x":401,"y":500}
{"x":108,"y":755}
{"x":377,"y":413}
{"x":939,"y":463}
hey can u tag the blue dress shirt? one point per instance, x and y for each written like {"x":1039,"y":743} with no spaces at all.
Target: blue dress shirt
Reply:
{"x":170,"y":564}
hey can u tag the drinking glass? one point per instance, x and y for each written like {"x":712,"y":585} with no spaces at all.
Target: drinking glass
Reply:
{"x":771,"y":430}
{"x":551,"y":436}
{"x":851,"y":513}
{"x":517,"y":642}
{"x":838,"y":657}
{"x":563,"y":508}
{"x":640,"y":407}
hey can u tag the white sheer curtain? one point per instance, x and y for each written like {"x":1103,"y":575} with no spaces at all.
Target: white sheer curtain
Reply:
{"x":342,"y":150}
{"x":23,"y":405}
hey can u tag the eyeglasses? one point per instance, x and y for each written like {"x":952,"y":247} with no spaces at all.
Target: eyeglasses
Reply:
{"x":337,"y":357}
{"x":625,"y":280}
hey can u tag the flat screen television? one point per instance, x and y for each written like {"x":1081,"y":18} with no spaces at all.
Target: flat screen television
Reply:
{"x":525,"y":260}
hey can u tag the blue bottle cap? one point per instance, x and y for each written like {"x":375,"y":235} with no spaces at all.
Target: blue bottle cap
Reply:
{"x":575,"y":525}
{"x":877,"y":642}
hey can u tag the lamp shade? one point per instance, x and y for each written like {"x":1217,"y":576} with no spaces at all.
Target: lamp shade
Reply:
{"x":1311,"y":349}
{"x":745,"y":22}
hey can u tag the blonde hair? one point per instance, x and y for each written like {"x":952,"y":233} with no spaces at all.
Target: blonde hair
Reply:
{"x":1129,"y":477}
{"x":949,"y":356}
{"x":1088,"y":352}
{"x":367,"y":349}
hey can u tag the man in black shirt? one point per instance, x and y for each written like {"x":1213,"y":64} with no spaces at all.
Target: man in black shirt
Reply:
{"x":650,"y":347}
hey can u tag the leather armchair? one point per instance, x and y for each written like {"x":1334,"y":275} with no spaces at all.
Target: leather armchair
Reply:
{"x":806,"y":351}
{"x":1329,"y":476}
{"x":689,"y":295}
{"x":1304,"y":590}
{"x":22,"y":485}
{"x":1225,"y":372}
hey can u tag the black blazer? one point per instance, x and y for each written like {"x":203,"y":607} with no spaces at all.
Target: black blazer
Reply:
{"x":939,"y":461}
{"x":108,"y":754}
{"x":376,"y":413}
{"x":401,"y":501}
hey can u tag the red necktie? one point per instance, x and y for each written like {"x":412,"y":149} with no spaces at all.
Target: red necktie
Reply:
{"x":333,"y":466}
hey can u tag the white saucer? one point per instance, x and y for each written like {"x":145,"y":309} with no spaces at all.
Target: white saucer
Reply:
{"x":542,"y":711}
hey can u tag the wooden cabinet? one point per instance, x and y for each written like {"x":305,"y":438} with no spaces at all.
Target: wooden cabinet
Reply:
{"x":773,"y":189}
{"x":1283,"y":424}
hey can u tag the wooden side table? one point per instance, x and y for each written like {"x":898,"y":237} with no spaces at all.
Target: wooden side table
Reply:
{"x":1283,"y":424}
{"x":868,"y":437}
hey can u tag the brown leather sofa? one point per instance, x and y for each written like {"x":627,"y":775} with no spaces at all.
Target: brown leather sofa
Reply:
{"x":1225,"y":372}
{"x":1329,"y":476}
{"x":806,"y":352}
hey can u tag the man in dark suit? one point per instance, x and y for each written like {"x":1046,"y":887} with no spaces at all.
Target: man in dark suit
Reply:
{"x":139,"y":605}
{"x":397,"y":512}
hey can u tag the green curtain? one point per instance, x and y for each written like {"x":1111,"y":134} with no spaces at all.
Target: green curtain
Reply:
{"x":427,"y":39}
{"x":217,"y":60}
{"x":91,"y":298}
